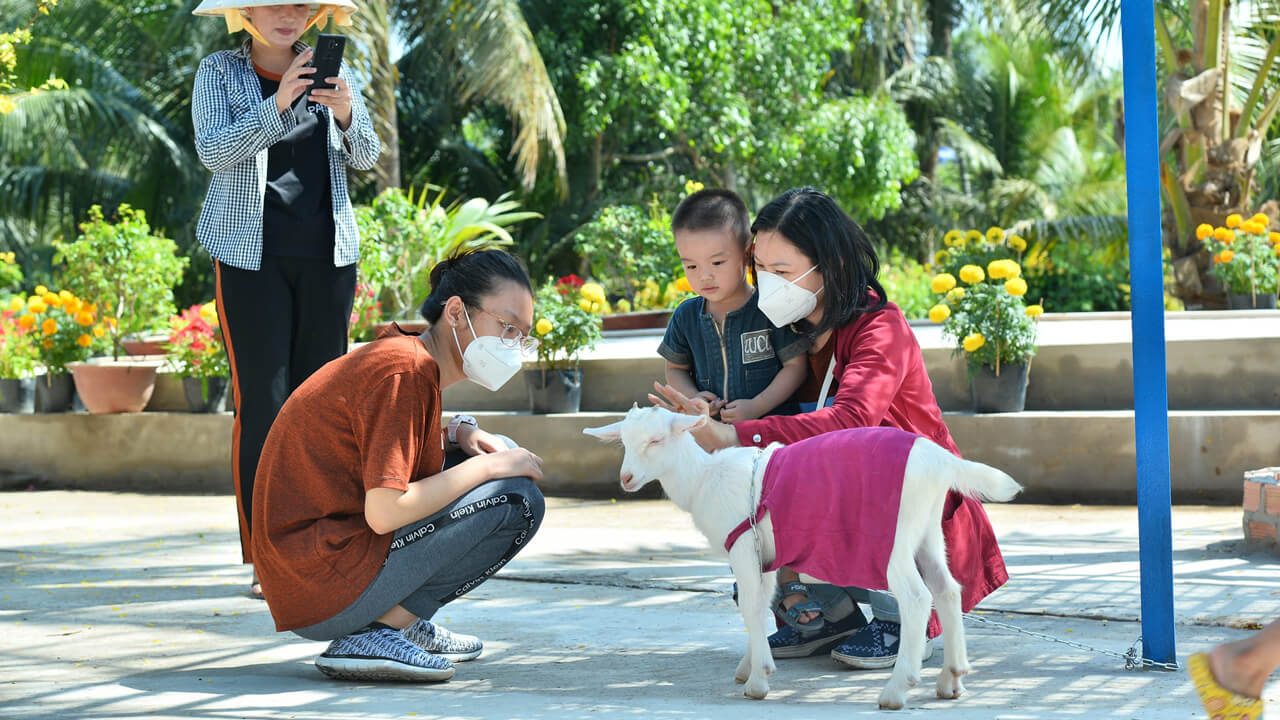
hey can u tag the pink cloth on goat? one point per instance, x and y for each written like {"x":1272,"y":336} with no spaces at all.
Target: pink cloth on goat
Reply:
{"x":834,"y":501}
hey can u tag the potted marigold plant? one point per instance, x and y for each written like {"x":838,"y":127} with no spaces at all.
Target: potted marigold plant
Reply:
{"x":65,"y":330}
{"x":196,"y":354}
{"x":566,"y":322}
{"x":18,"y":360}
{"x":131,"y":273}
{"x":983,"y":311}
{"x":1246,"y":259}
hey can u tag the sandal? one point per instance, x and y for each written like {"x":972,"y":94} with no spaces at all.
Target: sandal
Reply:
{"x":1219,"y":702}
{"x":791,"y":615}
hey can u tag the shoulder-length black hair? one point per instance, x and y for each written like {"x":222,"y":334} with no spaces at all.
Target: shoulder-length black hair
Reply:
{"x":471,"y":276}
{"x":833,"y":241}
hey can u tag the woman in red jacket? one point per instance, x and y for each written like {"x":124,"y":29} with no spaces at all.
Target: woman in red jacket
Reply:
{"x":816,"y":270}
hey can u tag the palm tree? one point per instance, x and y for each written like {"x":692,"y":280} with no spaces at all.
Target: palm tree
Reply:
{"x":1222,"y":95}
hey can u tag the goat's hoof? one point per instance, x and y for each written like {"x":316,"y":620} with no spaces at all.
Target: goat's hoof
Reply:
{"x":756,"y":690}
{"x":949,"y":685}
{"x":892,"y":701}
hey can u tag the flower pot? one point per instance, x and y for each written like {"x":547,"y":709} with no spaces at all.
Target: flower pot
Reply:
{"x":1006,"y":392}
{"x":205,"y":395}
{"x":108,"y":387}
{"x":643,"y":320}
{"x":150,"y":344}
{"x":54,"y":393}
{"x":554,"y":391}
{"x":17,"y":395}
{"x":1250,"y":302}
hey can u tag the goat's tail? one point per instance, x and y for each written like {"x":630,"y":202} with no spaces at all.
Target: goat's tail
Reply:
{"x":983,"y":482}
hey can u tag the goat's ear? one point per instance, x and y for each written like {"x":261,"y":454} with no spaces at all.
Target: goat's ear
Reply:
{"x":685,"y":423}
{"x":608,"y":433}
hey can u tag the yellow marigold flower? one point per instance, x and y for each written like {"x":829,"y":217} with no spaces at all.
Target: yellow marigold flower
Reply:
{"x":973,"y":342}
{"x":953,"y":238}
{"x":593,"y":292}
{"x":972,"y":236}
{"x":1261,"y":219}
{"x":682,"y":284}
{"x":49,"y":326}
{"x":16,"y":304}
{"x":1012,"y":269}
{"x":996,"y":270}
{"x":584,"y":305}
{"x":84,"y":341}
{"x":939,"y":313}
{"x":543,"y":327}
{"x":1250,"y":227}
{"x":954,"y":295}
{"x":1016,"y":286}
{"x":40,"y":290}
{"x":1224,"y":235}
{"x":99,"y":331}
{"x":1017,"y":243}
{"x":1234,"y":220}
{"x":1224,"y":257}
{"x":1035,"y":311}
{"x":596,"y":307}
{"x":209,"y":312}
{"x":1277,"y":249}
{"x":995,"y":235}
{"x":624,"y":306}
{"x":972,"y":274}
{"x":1274,"y":237}
{"x":692,"y":186}
{"x":941,"y":257}
{"x":26,"y":322}
{"x":66,"y":295}
{"x":84,"y":318}
{"x":36,"y":305}
{"x":52,"y":300}
{"x":942,"y":282}
{"x":1204,"y":231}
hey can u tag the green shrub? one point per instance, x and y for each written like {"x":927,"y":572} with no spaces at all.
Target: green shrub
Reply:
{"x":906,"y":282}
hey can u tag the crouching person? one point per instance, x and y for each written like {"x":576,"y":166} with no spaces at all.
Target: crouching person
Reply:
{"x":368,"y":514}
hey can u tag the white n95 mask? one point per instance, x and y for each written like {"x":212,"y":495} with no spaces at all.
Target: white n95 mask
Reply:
{"x":784,"y":302}
{"x":487,"y":361}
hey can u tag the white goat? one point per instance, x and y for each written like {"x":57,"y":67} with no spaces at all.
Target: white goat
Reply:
{"x":719,"y":490}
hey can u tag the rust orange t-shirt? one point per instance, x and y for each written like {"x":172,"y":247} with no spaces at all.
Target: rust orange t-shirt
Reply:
{"x":366,"y":420}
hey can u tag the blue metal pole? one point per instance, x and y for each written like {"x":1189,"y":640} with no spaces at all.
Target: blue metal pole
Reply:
{"x":1150,"y":389}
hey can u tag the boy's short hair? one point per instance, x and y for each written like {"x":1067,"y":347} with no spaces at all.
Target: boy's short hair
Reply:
{"x":714,"y":209}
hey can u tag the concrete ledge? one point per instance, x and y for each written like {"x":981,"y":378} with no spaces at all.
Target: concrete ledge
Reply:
{"x":1085,"y":457}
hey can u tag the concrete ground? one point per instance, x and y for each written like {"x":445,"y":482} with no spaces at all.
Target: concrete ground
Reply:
{"x":119,"y":605}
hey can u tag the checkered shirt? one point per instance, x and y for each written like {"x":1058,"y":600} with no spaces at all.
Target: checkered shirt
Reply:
{"x":234,"y":128}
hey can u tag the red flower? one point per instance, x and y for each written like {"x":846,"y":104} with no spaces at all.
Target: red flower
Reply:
{"x":569,"y":283}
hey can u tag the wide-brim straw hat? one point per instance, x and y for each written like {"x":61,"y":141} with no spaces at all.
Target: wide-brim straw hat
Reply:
{"x":233,"y":12}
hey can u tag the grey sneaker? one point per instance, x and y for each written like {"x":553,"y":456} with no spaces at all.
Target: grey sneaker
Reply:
{"x":438,"y":641}
{"x":382,"y":654}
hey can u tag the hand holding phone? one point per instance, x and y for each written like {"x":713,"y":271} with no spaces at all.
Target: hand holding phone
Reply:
{"x":295,"y":81}
{"x":327,"y":59}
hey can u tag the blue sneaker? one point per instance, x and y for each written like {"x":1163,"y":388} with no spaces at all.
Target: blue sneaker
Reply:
{"x":874,"y":646}
{"x":439,"y":641}
{"x":382,"y":653}
{"x":791,"y":643}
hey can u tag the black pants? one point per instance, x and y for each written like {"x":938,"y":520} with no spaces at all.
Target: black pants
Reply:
{"x":281,"y":323}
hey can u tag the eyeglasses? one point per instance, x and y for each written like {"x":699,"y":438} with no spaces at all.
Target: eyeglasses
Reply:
{"x":511,"y":335}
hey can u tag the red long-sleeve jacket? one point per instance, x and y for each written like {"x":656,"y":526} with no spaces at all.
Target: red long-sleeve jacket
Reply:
{"x":880,"y":379}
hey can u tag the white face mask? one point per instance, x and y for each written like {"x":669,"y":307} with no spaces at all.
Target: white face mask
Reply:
{"x":488,"y":362}
{"x":784,"y":302}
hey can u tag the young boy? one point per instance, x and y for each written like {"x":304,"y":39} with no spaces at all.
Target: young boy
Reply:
{"x":719,"y":347}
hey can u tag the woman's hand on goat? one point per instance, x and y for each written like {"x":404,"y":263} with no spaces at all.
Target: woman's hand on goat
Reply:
{"x":712,"y":435}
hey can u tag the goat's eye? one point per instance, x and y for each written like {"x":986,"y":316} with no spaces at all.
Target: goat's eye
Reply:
{"x":655,"y":442}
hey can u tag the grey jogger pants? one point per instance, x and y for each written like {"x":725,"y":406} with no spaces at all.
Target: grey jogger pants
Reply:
{"x":445,"y":556}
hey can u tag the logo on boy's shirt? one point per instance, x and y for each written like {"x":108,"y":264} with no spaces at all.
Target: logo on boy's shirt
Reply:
{"x":756,"y":346}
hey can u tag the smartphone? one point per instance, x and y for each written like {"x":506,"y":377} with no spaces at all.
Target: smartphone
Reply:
{"x":327,"y":59}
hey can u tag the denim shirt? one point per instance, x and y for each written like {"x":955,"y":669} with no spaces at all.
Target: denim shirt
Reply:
{"x":737,"y":363}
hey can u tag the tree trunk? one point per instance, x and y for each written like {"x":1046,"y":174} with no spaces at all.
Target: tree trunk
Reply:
{"x":381,"y":94}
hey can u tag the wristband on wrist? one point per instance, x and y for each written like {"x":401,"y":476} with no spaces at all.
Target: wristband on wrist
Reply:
{"x":458,"y":421}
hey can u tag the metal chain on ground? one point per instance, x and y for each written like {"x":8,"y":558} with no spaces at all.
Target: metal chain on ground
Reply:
{"x":1131,"y":657}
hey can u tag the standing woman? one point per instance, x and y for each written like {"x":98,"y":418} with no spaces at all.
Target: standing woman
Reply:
{"x":277,"y":219}
{"x":816,"y":269}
